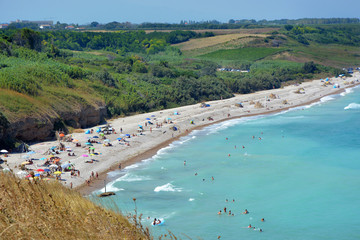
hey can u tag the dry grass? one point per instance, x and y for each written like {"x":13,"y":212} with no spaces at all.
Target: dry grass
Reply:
{"x":47,"y":210}
{"x":237,"y":38}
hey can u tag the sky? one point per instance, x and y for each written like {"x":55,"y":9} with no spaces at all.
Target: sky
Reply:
{"x":171,"y":11}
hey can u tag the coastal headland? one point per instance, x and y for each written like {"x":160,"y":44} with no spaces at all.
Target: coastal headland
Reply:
{"x":138,"y":137}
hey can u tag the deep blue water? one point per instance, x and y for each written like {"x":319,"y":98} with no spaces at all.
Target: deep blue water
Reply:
{"x":303,"y":177}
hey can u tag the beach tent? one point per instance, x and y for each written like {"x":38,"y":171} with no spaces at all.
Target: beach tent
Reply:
{"x":87,"y":131}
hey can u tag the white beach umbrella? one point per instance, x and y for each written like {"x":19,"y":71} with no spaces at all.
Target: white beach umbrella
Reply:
{"x":4,"y":151}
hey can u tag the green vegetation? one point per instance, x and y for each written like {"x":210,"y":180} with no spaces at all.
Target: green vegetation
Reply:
{"x":242,"y":54}
{"x":52,"y":73}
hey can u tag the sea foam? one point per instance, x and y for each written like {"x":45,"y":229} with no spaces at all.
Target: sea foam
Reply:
{"x":167,"y":188}
{"x":352,"y":106}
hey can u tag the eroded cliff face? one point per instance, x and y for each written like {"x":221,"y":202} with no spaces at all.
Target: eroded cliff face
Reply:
{"x":34,"y":128}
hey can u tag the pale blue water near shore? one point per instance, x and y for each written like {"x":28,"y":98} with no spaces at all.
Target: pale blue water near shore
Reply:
{"x":303,"y":177}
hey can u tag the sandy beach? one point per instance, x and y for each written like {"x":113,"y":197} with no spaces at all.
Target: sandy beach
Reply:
{"x":142,"y":145}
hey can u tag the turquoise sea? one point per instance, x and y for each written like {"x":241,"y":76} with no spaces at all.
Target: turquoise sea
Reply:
{"x":302,"y":177}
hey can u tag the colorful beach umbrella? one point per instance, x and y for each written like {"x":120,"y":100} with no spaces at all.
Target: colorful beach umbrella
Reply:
{"x":95,"y":136}
{"x":148,"y":118}
{"x":85,"y":155}
{"x":47,"y":170}
{"x":39,"y":170}
{"x":57,"y":172}
{"x":119,"y":139}
{"x":37,"y":174}
{"x":43,"y":158}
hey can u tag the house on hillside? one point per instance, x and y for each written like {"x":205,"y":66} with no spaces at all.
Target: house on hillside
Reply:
{"x":70,"y":27}
{"x":45,"y":26}
{"x":4,"y":25}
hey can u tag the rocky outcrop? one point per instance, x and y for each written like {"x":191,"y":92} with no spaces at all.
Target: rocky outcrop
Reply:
{"x":34,"y":128}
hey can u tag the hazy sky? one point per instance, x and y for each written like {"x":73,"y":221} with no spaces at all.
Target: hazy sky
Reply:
{"x":171,"y":11}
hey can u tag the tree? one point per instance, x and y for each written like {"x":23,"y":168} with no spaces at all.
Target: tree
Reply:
{"x":94,"y":24}
{"x":309,"y":67}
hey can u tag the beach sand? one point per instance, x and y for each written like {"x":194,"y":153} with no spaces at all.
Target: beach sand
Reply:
{"x":146,"y":145}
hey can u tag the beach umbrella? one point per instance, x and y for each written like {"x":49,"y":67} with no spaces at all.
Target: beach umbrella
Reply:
{"x":28,"y":176}
{"x":57,"y":172}
{"x":53,"y":166}
{"x":39,"y":170}
{"x":119,"y":139}
{"x":140,"y":126}
{"x":66,"y":165}
{"x":91,"y":148}
{"x":95,"y":137}
{"x":43,"y":158}
{"x":47,"y":170}
{"x":4,"y":151}
{"x":92,"y":154}
{"x":51,"y":156}
{"x":87,"y":143}
{"x":85,"y":155}
{"x":168,"y":118}
{"x":148,"y":118}
{"x":37,"y":174}
{"x":128,"y":135}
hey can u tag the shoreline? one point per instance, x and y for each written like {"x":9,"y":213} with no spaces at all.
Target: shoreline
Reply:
{"x":146,"y":145}
{"x":98,"y":184}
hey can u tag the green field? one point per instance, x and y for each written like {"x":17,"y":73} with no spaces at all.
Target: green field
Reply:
{"x":243,"y":54}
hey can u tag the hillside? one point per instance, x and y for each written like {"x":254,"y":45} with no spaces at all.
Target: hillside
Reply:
{"x":48,"y":210}
{"x":63,"y":80}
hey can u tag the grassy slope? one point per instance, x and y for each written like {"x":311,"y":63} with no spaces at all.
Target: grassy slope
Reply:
{"x":47,"y":210}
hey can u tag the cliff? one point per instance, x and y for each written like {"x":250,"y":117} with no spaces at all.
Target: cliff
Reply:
{"x":42,"y":126}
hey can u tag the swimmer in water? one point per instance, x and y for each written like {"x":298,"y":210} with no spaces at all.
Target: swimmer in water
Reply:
{"x":250,"y":226}
{"x":219,"y":213}
{"x":246,"y":211}
{"x":263,"y":220}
